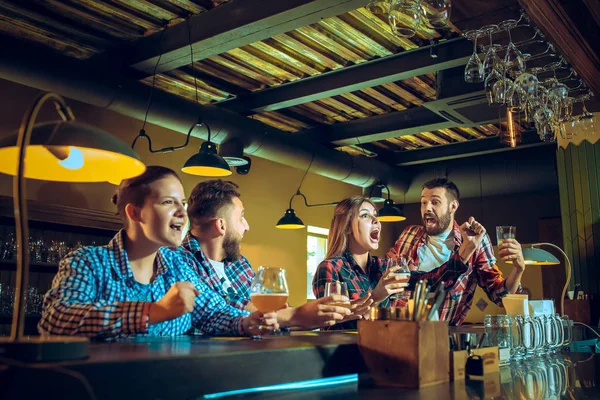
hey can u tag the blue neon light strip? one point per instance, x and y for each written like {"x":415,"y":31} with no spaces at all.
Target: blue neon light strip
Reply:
{"x":302,"y":385}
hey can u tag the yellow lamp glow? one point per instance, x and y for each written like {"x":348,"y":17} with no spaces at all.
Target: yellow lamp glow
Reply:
{"x":69,"y":151}
{"x":206,"y":171}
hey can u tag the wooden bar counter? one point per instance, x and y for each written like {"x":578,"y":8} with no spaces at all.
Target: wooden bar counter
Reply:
{"x":197,"y":368}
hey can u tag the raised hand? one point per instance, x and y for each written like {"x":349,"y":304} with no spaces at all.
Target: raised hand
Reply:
{"x":472,"y":233}
{"x":178,"y":301}
{"x":388,"y":285}
{"x":510,"y":250}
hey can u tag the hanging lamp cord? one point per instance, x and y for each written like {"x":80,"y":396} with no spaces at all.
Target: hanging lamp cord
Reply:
{"x":142,"y":134}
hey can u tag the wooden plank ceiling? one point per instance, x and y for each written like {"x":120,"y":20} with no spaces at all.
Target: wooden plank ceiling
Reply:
{"x":83,"y":29}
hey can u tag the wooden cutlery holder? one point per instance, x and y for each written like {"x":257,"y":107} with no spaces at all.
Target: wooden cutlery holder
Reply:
{"x":405,"y":354}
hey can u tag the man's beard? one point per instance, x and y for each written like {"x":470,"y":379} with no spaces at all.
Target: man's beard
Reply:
{"x":231,"y":246}
{"x":442,"y":224}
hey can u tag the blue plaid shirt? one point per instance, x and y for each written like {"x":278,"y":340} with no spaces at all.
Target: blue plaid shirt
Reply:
{"x":239,"y":273}
{"x":92,"y":296}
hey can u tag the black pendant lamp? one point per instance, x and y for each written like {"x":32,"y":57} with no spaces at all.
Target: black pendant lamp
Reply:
{"x":207,"y":162}
{"x":290,"y":220}
{"x":390,"y":212}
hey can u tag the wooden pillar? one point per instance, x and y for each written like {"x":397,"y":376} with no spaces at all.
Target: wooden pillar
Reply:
{"x":578,"y":163}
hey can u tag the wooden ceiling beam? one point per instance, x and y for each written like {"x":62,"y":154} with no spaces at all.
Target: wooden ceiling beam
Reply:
{"x":450,"y":54}
{"x":229,"y":26}
{"x":469,"y":148}
{"x":575,"y":32}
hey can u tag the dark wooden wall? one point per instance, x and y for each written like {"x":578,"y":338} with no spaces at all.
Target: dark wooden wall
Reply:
{"x":579,"y":185}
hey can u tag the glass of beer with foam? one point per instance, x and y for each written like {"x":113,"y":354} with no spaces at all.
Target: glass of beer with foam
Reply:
{"x":269,"y":289}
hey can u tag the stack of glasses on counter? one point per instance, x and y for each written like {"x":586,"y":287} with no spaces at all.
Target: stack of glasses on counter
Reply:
{"x":524,"y":337}
{"x":542,"y":86}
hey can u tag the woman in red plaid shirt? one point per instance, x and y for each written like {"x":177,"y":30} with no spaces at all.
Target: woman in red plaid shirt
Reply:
{"x":354,"y":232}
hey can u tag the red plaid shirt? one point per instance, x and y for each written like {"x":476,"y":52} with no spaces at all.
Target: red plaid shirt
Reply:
{"x":345,"y":269}
{"x":481,"y":270}
{"x":239,"y":273}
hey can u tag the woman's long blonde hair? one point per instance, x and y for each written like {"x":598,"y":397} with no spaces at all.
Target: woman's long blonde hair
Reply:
{"x":341,"y":224}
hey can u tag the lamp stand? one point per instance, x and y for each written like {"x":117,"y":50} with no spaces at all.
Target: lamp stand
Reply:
{"x":564,"y":291}
{"x":18,"y":346}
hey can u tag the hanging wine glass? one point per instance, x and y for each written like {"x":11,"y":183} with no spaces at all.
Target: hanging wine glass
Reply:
{"x":513,"y":59}
{"x":525,"y":86}
{"x":378,"y":7}
{"x":405,"y":17}
{"x":491,"y":60}
{"x":474,"y":68}
{"x":587,"y":120}
{"x":437,"y":13}
{"x":568,"y":123}
{"x":542,"y":119}
{"x":513,"y":97}
{"x":493,"y":92}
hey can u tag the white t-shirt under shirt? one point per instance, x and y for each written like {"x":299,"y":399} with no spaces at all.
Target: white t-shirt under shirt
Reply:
{"x":220,"y":268}
{"x":436,"y":251}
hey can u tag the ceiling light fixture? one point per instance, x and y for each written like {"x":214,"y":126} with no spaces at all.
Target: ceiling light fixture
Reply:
{"x":207,"y":162}
{"x":390,"y":212}
{"x":375,"y":193}
{"x":290,"y":220}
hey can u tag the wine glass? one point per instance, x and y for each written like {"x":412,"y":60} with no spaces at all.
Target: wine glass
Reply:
{"x":400,"y":265}
{"x":405,"y":17}
{"x":587,"y":120}
{"x":474,"y":72}
{"x":338,"y":288}
{"x":437,"y":13}
{"x":378,"y":7}
{"x":513,"y":59}
{"x":269,"y":289}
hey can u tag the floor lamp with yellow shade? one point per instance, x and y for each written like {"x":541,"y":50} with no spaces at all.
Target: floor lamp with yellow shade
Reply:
{"x":61,"y":151}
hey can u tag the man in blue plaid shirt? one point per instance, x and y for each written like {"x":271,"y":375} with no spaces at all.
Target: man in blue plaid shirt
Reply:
{"x":217,"y":226}
{"x":135,"y":285}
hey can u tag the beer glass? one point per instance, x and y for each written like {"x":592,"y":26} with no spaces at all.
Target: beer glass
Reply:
{"x":533,"y":340}
{"x":339,"y":288}
{"x":269,"y":289}
{"x":567,"y":325}
{"x":499,"y":333}
{"x":505,"y":232}
{"x":520,"y":337}
{"x":401,"y":270}
{"x":559,"y":332}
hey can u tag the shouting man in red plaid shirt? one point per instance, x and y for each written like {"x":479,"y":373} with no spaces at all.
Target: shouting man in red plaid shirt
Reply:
{"x":441,"y":239}
{"x":217,"y":226}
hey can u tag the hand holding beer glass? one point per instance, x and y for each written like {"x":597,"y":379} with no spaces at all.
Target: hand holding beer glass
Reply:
{"x":399,"y":268}
{"x":269,"y":290}
{"x":339,"y":288}
{"x":505,"y":232}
